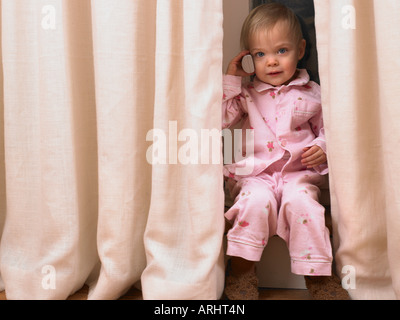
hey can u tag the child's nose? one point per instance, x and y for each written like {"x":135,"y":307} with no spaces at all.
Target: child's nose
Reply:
{"x":272,"y":62}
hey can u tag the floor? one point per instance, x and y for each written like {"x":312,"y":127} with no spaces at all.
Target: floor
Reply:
{"x":265,"y":294}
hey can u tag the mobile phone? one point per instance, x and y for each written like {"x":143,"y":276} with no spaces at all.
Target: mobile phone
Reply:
{"x":248,"y":64}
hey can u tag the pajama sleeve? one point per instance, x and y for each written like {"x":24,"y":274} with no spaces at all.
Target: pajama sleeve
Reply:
{"x":232,"y":104}
{"x":317,"y":125}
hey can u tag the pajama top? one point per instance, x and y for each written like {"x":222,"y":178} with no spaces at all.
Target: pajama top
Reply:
{"x":284,"y":120}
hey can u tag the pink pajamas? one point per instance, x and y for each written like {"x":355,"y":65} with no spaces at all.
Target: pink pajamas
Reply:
{"x":278,"y":196}
{"x":283,"y":204}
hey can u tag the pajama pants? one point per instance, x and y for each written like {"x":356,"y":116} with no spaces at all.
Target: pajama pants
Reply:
{"x":284,"y":204}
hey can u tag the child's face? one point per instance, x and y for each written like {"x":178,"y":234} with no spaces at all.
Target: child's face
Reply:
{"x":276,"y":54}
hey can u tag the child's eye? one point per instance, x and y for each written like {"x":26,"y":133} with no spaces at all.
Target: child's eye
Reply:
{"x":282,"y":51}
{"x":259,"y":54}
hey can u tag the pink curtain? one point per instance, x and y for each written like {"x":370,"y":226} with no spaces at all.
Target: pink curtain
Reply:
{"x":83,"y":85}
{"x":358,"y":51}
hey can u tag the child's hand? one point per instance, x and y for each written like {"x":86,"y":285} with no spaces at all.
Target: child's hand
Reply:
{"x":313,"y":157}
{"x":235,"y":66}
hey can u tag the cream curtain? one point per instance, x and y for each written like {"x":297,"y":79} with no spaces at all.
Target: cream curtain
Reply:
{"x":83,"y":84}
{"x":359,"y":50}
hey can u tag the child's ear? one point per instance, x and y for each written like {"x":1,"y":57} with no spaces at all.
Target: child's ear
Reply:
{"x":302,"y":48}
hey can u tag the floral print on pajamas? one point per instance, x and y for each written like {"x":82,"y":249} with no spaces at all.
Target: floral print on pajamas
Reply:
{"x":278,"y":196}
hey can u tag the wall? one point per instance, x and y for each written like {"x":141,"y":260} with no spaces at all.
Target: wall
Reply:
{"x":235,"y":12}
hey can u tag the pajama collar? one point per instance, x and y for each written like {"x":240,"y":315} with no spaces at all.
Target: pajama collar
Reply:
{"x":302,"y":79}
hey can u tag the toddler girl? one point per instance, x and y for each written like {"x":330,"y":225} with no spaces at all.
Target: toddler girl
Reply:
{"x":279,"y":195}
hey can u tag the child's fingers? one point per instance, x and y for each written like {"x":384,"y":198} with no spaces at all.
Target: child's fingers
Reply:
{"x":315,"y":162}
{"x":241,"y":55}
{"x":235,"y":66}
{"x":237,"y":59}
{"x":309,"y":152}
{"x":313,"y":156}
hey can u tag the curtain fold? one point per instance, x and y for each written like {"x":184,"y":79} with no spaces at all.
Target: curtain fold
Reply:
{"x":51,"y":203}
{"x":358,"y":50}
{"x":124,"y":45}
{"x":2,"y":160}
{"x":181,"y":234}
{"x":83,"y":84}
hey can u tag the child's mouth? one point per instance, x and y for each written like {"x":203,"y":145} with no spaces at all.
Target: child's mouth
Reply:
{"x":274,"y":73}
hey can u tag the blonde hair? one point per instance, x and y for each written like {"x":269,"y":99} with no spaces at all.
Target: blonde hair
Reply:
{"x":265,"y":17}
